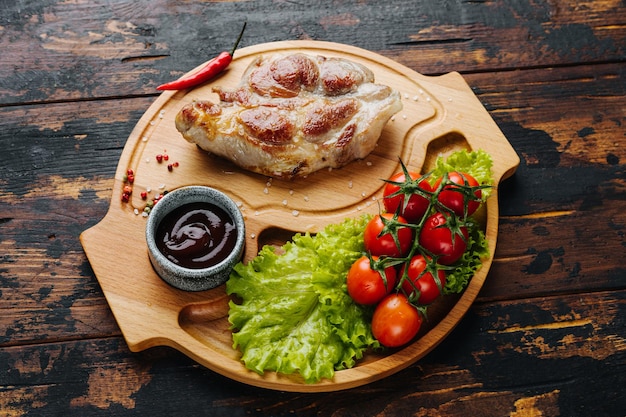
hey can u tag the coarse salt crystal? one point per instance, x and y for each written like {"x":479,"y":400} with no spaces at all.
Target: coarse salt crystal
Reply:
{"x":295,"y":213}
{"x":284,"y":202}
{"x":266,"y":191}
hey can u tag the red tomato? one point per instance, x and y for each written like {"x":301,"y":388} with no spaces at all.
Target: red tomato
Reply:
{"x":454,"y":198}
{"x":395,"y":321}
{"x":438,"y":238}
{"x":423,"y":280}
{"x":417,"y":204}
{"x":379,"y":245}
{"x":366,"y":285}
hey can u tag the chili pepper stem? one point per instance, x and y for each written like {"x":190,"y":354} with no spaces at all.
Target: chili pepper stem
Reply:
{"x":232,"y":52}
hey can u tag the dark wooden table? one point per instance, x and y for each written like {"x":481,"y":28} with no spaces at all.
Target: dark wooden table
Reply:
{"x":547,"y":335}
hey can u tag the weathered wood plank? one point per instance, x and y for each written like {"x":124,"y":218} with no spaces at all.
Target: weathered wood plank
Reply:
{"x":57,"y":177}
{"x":94,"y":49}
{"x":549,"y":355}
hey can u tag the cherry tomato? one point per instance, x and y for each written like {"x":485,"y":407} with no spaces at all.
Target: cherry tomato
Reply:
{"x":423,"y":280}
{"x":366,"y":285}
{"x":395,"y":321}
{"x":417,"y":204}
{"x":379,"y":245}
{"x":438,"y":238}
{"x":455,"y":199}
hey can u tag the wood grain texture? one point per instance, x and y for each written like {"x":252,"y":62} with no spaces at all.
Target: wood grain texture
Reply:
{"x":74,"y":81}
{"x":439,"y":115}
{"x":95,"y":49}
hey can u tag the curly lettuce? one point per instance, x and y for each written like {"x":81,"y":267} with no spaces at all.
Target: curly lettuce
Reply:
{"x":294,"y":314}
{"x":477,"y":163}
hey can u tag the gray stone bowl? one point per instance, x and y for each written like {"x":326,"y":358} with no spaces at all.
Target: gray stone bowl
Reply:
{"x":191,"y":279}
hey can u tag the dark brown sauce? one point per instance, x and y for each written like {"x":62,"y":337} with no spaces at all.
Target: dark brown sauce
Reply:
{"x":196,"y":235}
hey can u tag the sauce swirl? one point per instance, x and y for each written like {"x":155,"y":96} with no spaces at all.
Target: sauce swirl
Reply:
{"x":196,"y":235}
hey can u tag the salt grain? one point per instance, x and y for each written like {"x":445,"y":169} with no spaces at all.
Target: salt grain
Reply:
{"x":295,"y":213}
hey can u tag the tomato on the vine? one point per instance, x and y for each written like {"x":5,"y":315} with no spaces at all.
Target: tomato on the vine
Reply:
{"x":367,"y":285}
{"x":421,"y":280}
{"x":394,"y":196}
{"x":395,"y":321}
{"x":456,"y":199}
{"x":446,"y":241}
{"x":379,"y":237}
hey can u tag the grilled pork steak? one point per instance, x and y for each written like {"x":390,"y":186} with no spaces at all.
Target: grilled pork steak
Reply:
{"x":292,"y":115}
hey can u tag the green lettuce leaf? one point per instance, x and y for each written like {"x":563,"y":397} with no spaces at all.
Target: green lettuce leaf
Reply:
{"x":294,"y":314}
{"x":477,"y":249}
{"x":477,"y":163}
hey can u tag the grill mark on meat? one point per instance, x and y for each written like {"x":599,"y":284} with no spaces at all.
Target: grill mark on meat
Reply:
{"x":341,"y":77}
{"x":324,"y":116}
{"x":292,"y":115}
{"x":267,"y":126}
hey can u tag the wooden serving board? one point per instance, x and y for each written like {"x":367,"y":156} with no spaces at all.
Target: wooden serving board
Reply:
{"x":440,"y":115}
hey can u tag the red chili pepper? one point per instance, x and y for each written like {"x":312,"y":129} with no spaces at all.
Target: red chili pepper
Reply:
{"x":210,"y":70}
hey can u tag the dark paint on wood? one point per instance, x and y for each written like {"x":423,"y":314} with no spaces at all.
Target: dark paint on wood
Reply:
{"x":547,"y":333}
